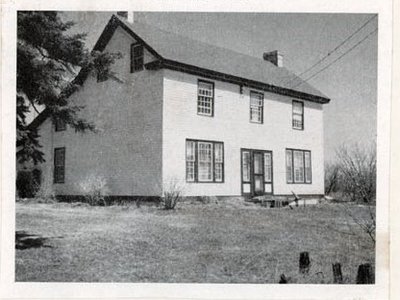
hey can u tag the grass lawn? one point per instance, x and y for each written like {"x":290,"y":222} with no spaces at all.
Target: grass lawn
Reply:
{"x":225,"y":242}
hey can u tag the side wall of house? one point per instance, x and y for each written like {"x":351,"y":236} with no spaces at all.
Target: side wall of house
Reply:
{"x":231,"y":125}
{"x":126,"y":149}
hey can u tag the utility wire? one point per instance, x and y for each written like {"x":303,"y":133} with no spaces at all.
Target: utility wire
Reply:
{"x":336,"y":48}
{"x":348,"y":51}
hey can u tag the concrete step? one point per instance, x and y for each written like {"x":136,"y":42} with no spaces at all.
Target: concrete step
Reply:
{"x":270,"y":201}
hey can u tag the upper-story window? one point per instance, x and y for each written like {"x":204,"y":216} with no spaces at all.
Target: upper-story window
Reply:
{"x":298,"y":115}
{"x":205,"y":98}
{"x":256,"y":107}
{"x":137,"y":57}
{"x":60,"y":125}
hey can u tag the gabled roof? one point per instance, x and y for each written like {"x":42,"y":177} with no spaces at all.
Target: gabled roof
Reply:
{"x":184,"y":54}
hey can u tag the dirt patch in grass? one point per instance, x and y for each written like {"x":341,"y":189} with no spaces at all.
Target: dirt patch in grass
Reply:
{"x":223,"y":242}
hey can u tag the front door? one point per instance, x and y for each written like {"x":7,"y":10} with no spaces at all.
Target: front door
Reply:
{"x":256,"y":172}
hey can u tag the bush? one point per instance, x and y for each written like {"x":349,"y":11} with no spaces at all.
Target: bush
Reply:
{"x":332,"y":177}
{"x":353,"y":177}
{"x":95,"y":190}
{"x":28,"y":183}
{"x":357,"y":173}
{"x":46,"y":193}
{"x":173,"y":193}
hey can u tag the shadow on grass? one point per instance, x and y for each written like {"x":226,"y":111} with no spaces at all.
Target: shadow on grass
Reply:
{"x":24,"y":241}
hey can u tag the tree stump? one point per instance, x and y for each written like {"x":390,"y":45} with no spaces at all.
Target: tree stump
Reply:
{"x":365,"y":274}
{"x":304,"y":263}
{"x":337,"y":273}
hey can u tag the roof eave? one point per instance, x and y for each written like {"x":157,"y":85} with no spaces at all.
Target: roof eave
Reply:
{"x":194,"y":70}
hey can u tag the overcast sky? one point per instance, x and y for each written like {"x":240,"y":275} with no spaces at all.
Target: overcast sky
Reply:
{"x":303,"y":39}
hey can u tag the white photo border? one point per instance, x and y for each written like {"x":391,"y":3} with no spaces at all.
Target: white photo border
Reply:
{"x":10,"y":289}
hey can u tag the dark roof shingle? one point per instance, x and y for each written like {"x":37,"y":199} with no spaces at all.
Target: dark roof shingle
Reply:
{"x":196,"y":53}
{"x":176,"y":48}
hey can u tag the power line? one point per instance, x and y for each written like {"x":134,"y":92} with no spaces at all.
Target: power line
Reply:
{"x":336,"y":48}
{"x":327,"y":66}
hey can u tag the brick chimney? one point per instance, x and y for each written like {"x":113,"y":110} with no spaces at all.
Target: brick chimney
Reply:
{"x":127,"y":15}
{"x":274,"y":57}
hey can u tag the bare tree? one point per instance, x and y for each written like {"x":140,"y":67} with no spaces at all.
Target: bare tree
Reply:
{"x":354,"y":177}
{"x":367,"y":223}
{"x":332,"y":178}
{"x":357,"y":171}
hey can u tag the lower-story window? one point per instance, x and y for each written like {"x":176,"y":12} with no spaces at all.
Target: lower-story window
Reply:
{"x":204,"y":161}
{"x":59,"y":165}
{"x":298,"y":166}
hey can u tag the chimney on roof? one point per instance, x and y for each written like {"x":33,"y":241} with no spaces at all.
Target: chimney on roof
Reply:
{"x":274,"y":57}
{"x":127,"y":15}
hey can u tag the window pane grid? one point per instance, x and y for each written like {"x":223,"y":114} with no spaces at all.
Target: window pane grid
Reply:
{"x":267,"y":167}
{"x":205,"y":98}
{"x":289,"y":164}
{"x":59,"y":165}
{"x":256,"y":107}
{"x":246,"y":166}
{"x":137,"y":57}
{"x":307,"y":163}
{"x":218,"y":153}
{"x":190,"y":160}
{"x":60,"y":125}
{"x":298,"y":166}
{"x":218,"y":172}
{"x":190,"y":175}
{"x":297,"y":115}
{"x":298,"y":163}
{"x":204,"y":161}
{"x":138,"y":63}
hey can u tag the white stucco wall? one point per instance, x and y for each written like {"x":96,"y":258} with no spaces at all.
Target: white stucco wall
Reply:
{"x":126,"y":149}
{"x":230,"y":124}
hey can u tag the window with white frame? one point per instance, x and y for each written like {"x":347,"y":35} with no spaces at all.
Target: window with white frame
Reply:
{"x":267,"y":167}
{"x":256,"y":107}
{"x":205,"y":155}
{"x":246,"y":166}
{"x":297,"y":115}
{"x":219,"y":162}
{"x":298,"y":166}
{"x":204,"y":161}
{"x":307,"y":166}
{"x":190,"y":160}
{"x":205,"y":98}
{"x":289,"y":166}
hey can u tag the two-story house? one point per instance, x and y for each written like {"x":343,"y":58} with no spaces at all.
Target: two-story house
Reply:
{"x":219,"y":122}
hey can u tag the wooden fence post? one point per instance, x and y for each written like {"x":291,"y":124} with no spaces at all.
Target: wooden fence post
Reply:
{"x":365,"y":274}
{"x":304,"y":263}
{"x":337,"y":273}
{"x":283,"y":279}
